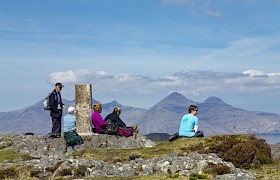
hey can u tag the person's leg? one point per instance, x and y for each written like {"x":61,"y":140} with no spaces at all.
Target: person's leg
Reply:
{"x":135,"y":128}
{"x":135,"y":131}
{"x":174,"y":137}
{"x":56,"y":126}
{"x":58,"y":131}
{"x":126,"y":132}
{"x":199,"y":134}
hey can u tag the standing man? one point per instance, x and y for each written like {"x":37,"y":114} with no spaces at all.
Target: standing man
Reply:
{"x":56,"y":107}
{"x":189,"y":124}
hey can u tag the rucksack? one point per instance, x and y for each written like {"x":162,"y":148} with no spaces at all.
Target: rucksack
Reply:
{"x":112,"y":128}
{"x":46,"y":102}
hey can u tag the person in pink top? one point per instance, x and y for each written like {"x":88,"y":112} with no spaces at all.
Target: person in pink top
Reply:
{"x":97,"y":120}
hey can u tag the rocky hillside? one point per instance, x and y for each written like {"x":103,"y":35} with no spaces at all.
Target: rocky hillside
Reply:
{"x":50,"y":159}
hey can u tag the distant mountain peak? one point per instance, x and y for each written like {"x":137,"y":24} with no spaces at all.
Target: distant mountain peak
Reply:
{"x":114,"y":103}
{"x":175,"y":95}
{"x":175,"y":98}
{"x":215,"y":100}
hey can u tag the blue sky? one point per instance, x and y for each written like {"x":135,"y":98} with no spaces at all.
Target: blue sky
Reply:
{"x":138,"y":52}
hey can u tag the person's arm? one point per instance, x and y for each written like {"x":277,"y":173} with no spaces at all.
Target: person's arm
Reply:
{"x":61,"y":103}
{"x":107,"y":117}
{"x":195,"y":128}
{"x":101,"y":122}
{"x":195,"y":125}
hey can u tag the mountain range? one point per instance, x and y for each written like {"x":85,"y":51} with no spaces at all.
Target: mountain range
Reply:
{"x":215,"y":117}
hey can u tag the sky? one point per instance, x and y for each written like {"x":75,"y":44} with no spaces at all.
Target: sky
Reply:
{"x":138,"y":52}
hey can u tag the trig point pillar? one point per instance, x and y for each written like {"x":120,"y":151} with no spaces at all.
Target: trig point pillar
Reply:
{"x":83,"y":108}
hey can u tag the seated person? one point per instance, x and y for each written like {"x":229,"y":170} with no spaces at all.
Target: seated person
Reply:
{"x":97,"y":121}
{"x":189,"y":124}
{"x":115,"y":117}
{"x":69,"y":128}
{"x":123,"y":130}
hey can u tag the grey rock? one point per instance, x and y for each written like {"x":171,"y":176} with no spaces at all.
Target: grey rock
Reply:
{"x":53,"y":152}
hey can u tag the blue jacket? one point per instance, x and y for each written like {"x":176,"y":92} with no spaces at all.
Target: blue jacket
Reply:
{"x":69,"y":123}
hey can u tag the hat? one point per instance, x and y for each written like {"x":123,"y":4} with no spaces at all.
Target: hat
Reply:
{"x":59,"y":85}
{"x":71,"y":109}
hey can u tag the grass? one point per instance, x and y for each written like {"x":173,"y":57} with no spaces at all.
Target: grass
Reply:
{"x":268,"y":171}
{"x":179,"y":146}
{"x":16,"y":172}
{"x":8,"y":156}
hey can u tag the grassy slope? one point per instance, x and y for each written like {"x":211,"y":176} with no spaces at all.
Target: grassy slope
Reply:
{"x":180,"y":146}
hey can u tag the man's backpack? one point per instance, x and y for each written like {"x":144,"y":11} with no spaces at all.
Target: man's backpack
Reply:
{"x":46,"y":102}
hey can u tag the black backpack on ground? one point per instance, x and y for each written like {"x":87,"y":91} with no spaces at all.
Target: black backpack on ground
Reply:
{"x":112,"y":128}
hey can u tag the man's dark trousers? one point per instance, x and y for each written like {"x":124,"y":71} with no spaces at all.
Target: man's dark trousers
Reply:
{"x":56,"y":126}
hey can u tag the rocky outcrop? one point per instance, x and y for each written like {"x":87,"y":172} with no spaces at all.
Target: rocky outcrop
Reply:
{"x":39,"y":147}
{"x":50,"y":158}
{"x":193,"y":163}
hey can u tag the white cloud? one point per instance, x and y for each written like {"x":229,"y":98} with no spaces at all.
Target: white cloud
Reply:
{"x":127,"y":78}
{"x":190,"y":82}
{"x":260,"y":73}
{"x":101,"y":75}
{"x":69,"y":76}
{"x":253,"y":73}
